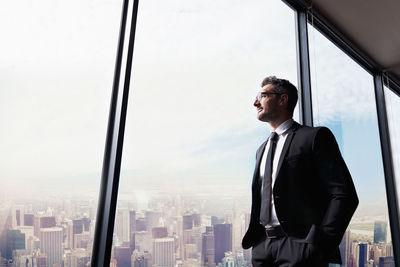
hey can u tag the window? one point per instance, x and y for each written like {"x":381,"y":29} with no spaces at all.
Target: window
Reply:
{"x":343,"y":100}
{"x":57,"y":64}
{"x":392,"y":101}
{"x":192,"y":132}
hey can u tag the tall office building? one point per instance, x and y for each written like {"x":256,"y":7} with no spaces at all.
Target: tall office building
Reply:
{"x":207,"y":248}
{"x":363,"y":254}
{"x":159,"y":232}
{"x":86,"y":224}
{"x":51,"y":240}
{"x":222,"y":241}
{"x":355,"y":251}
{"x":141,"y":225}
{"x":214,"y":220}
{"x":43,"y":222}
{"x":28,"y":219}
{"x":196,"y":220}
{"x":122,"y":225}
{"x":350,"y":261}
{"x":132,"y":228}
{"x":17,"y":216}
{"x":14,"y":240}
{"x":380,"y":231}
{"x":77,"y":226}
{"x":164,"y":252}
{"x":123,"y":256}
{"x":345,"y":247}
{"x":81,"y":240}
{"x":386,"y":262}
{"x":187,"y":222}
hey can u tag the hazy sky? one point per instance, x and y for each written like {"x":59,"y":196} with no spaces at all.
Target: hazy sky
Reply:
{"x":197,"y":67}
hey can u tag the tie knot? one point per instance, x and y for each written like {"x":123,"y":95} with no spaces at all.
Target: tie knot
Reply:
{"x":273,"y":136}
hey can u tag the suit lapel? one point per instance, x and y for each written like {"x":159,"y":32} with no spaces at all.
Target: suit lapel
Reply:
{"x":258,"y":162}
{"x":286,"y":146}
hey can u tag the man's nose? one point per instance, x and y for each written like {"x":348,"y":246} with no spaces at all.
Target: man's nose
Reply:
{"x":256,"y":103}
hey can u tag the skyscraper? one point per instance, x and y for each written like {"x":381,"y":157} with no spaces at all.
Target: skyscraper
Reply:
{"x":51,"y":240}
{"x":28,"y":219}
{"x":363,"y":254}
{"x":386,"y":262}
{"x":43,"y":222}
{"x":77,"y":226}
{"x":122,"y":225}
{"x":14,"y":240}
{"x":187,"y":222}
{"x":123,"y":256}
{"x":196,"y":219}
{"x":222,"y":241}
{"x":380,"y":230}
{"x":345,"y":247}
{"x":207,"y":248}
{"x":132,"y":228}
{"x":164,"y":252}
{"x":159,"y":232}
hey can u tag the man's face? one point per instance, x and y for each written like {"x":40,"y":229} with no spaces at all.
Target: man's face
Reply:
{"x":268,"y":105}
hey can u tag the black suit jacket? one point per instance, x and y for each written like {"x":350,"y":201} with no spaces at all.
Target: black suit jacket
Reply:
{"x":314,"y":194}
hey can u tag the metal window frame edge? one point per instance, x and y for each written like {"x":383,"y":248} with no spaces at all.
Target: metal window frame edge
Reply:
{"x":303,"y":68}
{"x":104,"y":225}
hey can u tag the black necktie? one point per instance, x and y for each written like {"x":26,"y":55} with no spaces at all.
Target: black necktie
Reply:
{"x":266,"y":191}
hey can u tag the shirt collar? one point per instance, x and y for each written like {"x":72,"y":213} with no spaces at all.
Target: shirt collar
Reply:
{"x":284,"y":127}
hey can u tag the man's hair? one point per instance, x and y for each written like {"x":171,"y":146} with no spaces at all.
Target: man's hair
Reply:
{"x":283,"y":86}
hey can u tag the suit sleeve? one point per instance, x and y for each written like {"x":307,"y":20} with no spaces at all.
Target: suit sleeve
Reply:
{"x":335,"y":179}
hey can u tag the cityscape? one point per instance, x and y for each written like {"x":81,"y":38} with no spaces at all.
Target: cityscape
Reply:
{"x":159,"y":229}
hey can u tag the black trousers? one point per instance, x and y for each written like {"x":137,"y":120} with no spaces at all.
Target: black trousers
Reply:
{"x":286,"y":252}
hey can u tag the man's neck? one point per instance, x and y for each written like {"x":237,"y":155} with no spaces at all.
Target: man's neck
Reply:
{"x":275,"y":124}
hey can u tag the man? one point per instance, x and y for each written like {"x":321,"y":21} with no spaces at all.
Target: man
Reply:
{"x":303,"y":196}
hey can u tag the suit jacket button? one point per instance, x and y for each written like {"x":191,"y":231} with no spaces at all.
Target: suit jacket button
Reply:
{"x":276,"y":197}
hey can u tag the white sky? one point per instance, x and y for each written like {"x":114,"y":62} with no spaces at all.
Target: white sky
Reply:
{"x":197,"y":66}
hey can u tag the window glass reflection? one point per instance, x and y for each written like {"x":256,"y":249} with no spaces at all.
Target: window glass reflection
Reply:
{"x":343,"y":100}
{"x":392,"y":101}
{"x":192,"y":131}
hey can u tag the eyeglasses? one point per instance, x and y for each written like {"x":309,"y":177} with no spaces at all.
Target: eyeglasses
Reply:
{"x":260,"y":95}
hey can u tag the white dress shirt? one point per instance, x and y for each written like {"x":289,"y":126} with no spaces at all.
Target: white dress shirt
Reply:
{"x":282,"y":132}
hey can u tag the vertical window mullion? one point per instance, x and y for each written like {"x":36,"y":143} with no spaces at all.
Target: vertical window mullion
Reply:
{"x":303,"y":68}
{"x":115,"y":136}
{"x":387,"y":164}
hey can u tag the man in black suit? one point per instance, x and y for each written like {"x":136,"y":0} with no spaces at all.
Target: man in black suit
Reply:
{"x":303,"y":196}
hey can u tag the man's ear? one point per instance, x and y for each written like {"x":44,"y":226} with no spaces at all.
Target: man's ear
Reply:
{"x":284,"y":99}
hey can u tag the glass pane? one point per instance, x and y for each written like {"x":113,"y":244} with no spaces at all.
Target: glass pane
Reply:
{"x":56,"y":63}
{"x":393,"y":109}
{"x":344,"y":101}
{"x":192,"y":131}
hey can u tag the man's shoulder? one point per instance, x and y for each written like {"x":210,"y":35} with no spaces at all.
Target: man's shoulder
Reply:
{"x":310,"y":130}
{"x":309,"y":134}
